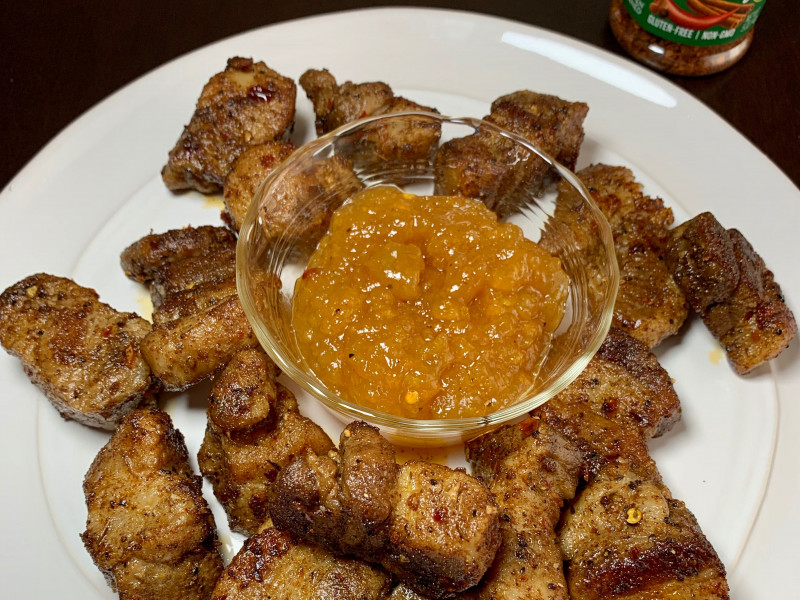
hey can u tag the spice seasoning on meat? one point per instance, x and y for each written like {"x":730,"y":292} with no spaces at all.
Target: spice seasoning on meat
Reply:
{"x":685,"y":37}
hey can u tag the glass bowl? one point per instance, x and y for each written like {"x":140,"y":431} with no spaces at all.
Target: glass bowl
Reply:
{"x":291,"y":210}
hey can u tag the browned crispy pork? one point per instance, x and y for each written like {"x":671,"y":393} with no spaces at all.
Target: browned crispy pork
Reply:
{"x":622,"y":398}
{"x":246,"y":104}
{"x":401,"y":142}
{"x":84,"y":355}
{"x":249,"y":170}
{"x":531,"y":469}
{"x":435,"y":528}
{"x":149,"y":530}
{"x":625,"y":536}
{"x":733,"y":291}
{"x":199,"y":323}
{"x":254,"y":430}
{"x":303,"y":202}
{"x":498,"y":172}
{"x":272,"y":565}
{"x":550,"y":123}
{"x":650,"y":305}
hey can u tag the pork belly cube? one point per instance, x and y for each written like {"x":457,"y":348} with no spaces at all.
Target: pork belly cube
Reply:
{"x":84,"y":355}
{"x":650,"y":305}
{"x":199,"y":322}
{"x":625,"y":536}
{"x":189,"y":349}
{"x":548,"y":122}
{"x":254,"y":430}
{"x":491,"y":169}
{"x":246,"y":104}
{"x":531,"y":469}
{"x":146,"y":257}
{"x":305,"y":201}
{"x":273,"y":565}
{"x":730,"y":287}
{"x":401,"y":143}
{"x":148,"y":529}
{"x":444,"y":529}
{"x":249,"y":171}
{"x":435,"y":528}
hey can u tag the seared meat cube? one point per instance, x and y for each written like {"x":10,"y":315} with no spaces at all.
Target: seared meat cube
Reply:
{"x":444,"y":529}
{"x":494,"y":170}
{"x":149,"y":530}
{"x":304,"y":203}
{"x":435,"y":528}
{"x":548,"y":122}
{"x":531,"y":469}
{"x":249,"y":170}
{"x":489,"y":168}
{"x":84,"y":355}
{"x":218,"y":264}
{"x":650,"y":305}
{"x":199,"y":321}
{"x":273,"y":565}
{"x":405,"y":141}
{"x":622,"y":398}
{"x":254,"y":430}
{"x":192,"y":301}
{"x":732,"y":290}
{"x":189,"y":349}
{"x":246,"y":104}
{"x":143,"y":259}
{"x":627,"y":537}
{"x":624,"y":382}
{"x":336,"y":105}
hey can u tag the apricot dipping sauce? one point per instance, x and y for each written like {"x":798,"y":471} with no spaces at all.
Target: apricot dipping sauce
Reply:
{"x":426,"y":307}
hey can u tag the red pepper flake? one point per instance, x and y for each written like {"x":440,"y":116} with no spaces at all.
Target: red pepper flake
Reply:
{"x":440,"y":514}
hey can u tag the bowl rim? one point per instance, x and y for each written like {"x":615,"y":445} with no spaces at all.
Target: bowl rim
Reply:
{"x":424,"y":428}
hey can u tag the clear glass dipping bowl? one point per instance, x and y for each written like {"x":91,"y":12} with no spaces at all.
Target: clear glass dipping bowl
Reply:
{"x":278,"y":235}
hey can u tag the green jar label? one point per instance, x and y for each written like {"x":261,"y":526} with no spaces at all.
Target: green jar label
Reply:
{"x":696,"y":22}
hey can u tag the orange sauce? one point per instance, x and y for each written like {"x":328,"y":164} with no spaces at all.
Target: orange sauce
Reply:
{"x":427,"y":307}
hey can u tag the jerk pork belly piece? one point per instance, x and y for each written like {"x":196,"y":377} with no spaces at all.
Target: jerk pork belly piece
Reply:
{"x":199,"y":321}
{"x":191,"y":348}
{"x":626,"y":537}
{"x":625,"y":382}
{"x":492,"y":169}
{"x":730,"y":287}
{"x":254,"y":430}
{"x":273,"y":565}
{"x":403,"y":142}
{"x":143,"y":259}
{"x":84,"y":355}
{"x":435,"y":528}
{"x":249,"y":170}
{"x":149,"y":530}
{"x":246,"y":104}
{"x":548,"y":122}
{"x":650,"y":304}
{"x":305,"y":201}
{"x":621,"y":399}
{"x":531,"y":469}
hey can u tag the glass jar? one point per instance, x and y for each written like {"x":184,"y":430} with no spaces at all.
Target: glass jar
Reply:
{"x":699,"y":37}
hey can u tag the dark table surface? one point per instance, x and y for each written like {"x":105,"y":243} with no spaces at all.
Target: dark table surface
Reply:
{"x":60,"y":58}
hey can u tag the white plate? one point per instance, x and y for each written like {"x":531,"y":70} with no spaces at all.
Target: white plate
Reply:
{"x":95,"y":188}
